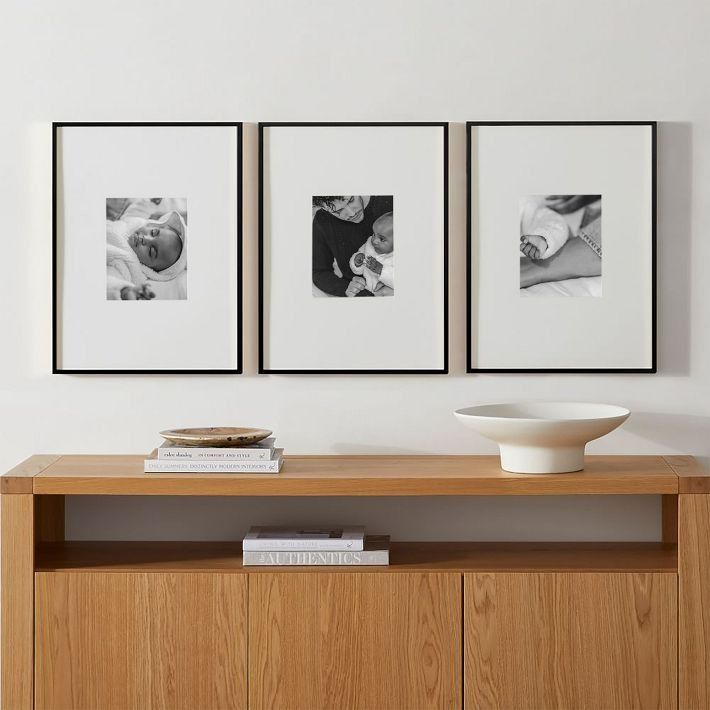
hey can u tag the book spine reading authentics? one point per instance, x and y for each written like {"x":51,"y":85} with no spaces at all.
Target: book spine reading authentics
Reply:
{"x":185,"y":466}
{"x":316,"y":558}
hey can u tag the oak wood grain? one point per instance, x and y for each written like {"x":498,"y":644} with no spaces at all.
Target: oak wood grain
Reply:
{"x":570,"y":641}
{"x":49,"y":518}
{"x":692,"y":477}
{"x":361,"y":476}
{"x":694,"y":602}
{"x":16,"y":590}
{"x":404,"y":557}
{"x":19,"y":478}
{"x":325,"y":641}
{"x":148,"y":641}
{"x":669,"y":519}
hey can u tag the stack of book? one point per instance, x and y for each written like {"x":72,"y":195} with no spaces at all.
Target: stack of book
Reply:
{"x":262,"y":457}
{"x":345,"y":546}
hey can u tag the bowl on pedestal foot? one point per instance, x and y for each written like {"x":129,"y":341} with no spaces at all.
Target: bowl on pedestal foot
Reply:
{"x":542,"y":437}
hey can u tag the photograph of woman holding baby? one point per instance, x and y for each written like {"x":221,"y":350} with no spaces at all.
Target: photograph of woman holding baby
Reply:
{"x":347,"y":319}
{"x":353,"y":245}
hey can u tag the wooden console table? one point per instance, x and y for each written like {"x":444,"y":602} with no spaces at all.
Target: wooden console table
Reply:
{"x":99,"y":625}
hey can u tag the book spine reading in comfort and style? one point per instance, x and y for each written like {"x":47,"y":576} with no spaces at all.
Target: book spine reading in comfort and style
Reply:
{"x":263,"y":451}
{"x":212,"y":455}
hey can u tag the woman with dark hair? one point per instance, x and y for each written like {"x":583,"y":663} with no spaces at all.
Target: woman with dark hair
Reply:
{"x":341,"y":226}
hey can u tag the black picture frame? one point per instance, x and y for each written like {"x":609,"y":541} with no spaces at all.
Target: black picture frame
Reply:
{"x":470,"y":369}
{"x":56,"y":368}
{"x":262,"y":369}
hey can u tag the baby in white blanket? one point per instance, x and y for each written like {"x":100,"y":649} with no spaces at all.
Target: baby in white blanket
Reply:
{"x":374,"y":260}
{"x":139,"y":249}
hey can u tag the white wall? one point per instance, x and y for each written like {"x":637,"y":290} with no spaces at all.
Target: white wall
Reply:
{"x":370,"y":60}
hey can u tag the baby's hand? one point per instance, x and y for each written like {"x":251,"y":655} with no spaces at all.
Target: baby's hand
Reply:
{"x":146,"y":293}
{"x":358,"y":258}
{"x":133,"y":293}
{"x":374,"y":265}
{"x":357,"y":284}
{"x":533,"y":246}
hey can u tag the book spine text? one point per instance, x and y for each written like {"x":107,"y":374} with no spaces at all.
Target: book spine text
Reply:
{"x":212,"y":455}
{"x":316,"y":558}
{"x":156,"y":466}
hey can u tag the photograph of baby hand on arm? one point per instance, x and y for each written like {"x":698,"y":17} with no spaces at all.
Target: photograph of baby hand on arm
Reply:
{"x":560,"y":240}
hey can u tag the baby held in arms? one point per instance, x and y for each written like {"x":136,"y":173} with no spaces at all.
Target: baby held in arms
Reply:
{"x":374,"y":260}
{"x":141,"y":249}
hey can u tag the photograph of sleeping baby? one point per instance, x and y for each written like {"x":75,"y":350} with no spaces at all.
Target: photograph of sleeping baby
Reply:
{"x":561,"y":245}
{"x":146,"y":248}
{"x":353,"y":245}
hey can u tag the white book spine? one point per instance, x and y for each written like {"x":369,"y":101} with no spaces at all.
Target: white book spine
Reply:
{"x":315,"y":558}
{"x":207,"y":454}
{"x":158,"y":466}
{"x":324,"y":545}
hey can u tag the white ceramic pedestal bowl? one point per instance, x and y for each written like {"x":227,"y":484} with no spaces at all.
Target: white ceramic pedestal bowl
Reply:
{"x":543,"y":437}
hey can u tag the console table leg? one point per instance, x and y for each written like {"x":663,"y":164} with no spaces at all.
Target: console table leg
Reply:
{"x":694,"y":601}
{"x":669,"y":519}
{"x":17,"y":550}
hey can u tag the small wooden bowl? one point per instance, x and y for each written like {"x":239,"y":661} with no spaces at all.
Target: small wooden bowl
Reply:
{"x":216,"y":436}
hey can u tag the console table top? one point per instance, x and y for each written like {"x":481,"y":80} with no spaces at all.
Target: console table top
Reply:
{"x":358,"y":476}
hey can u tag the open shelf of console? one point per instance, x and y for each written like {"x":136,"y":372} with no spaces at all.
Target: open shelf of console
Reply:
{"x":404,"y":557}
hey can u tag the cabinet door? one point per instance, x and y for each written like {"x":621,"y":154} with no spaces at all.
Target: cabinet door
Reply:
{"x":570,"y":640}
{"x":378,"y":640}
{"x":120,"y":641}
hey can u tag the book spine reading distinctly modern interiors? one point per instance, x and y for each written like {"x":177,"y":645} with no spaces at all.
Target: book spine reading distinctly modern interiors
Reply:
{"x":187,"y":466}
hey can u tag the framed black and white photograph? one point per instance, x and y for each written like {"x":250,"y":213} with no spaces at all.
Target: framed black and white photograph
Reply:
{"x":545,"y":293}
{"x":339,"y":205}
{"x":131,"y":292}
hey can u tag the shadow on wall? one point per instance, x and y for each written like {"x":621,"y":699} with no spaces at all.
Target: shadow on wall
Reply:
{"x":682,"y":432}
{"x":353,"y":448}
{"x":675,"y":161}
{"x":687,"y":434}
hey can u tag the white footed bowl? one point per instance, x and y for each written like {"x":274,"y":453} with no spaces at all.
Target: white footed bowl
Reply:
{"x":543,"y":437}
